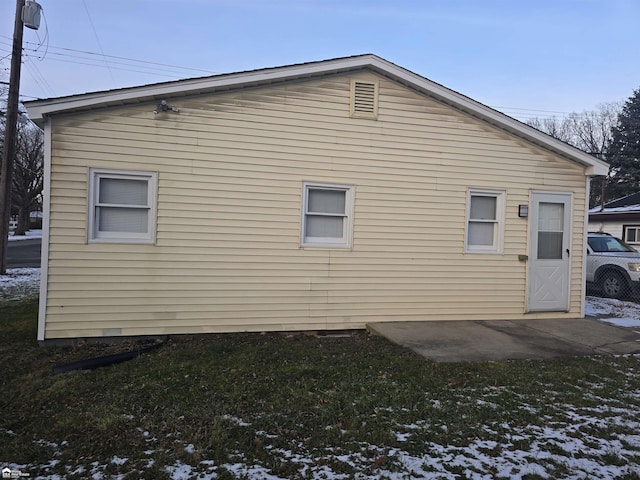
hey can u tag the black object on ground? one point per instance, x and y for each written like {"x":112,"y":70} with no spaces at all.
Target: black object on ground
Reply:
{"x":104,"y":361}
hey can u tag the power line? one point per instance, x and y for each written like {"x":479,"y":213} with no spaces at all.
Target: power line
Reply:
{"x":210,"y":72}
{"x":531,"y":110}
{"x":98,"y":40}
{"x":85,"y":58}
{"x":35,"y":73}
{"x":115,"y":68}
{"x":168,"y":70}
{"x":129,"y":59}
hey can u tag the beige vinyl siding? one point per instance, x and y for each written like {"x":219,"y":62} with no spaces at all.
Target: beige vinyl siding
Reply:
{"x":230,"y":170}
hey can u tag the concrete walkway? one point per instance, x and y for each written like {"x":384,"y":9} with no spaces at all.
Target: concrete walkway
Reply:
{"x":464,"y":341}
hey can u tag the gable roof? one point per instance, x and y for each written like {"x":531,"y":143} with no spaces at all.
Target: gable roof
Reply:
{"x":40,"y":109}
{"x":621,"y":208}
{"x":626,"y":201}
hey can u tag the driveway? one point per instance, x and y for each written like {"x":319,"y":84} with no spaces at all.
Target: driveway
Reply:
{"x":459,"y":341}
{"x":24,"y":253}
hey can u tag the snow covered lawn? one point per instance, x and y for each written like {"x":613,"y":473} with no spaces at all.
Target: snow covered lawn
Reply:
{"x":275,"y":407}
{"x":617,"y":312}
{"x":479,"y":432}
{"x":19,"y":283}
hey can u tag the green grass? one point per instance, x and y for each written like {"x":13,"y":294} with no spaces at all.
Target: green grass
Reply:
{"x":337,"y":403}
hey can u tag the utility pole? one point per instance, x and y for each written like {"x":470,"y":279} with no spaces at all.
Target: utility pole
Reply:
{"x":9,"y":151}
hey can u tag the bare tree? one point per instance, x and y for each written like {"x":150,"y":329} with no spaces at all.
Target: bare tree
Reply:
{"x":28,"y":174}
{"x":591,"y":132}
{"x":558,"y":128}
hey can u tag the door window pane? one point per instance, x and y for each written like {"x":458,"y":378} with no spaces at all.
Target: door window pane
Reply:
{"x":550,"y":230}
{"x":551,"y":217}
{"x":550,"y":245}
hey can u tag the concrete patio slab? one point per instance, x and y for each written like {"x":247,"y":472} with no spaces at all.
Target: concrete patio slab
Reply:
{"x":462,"y":341}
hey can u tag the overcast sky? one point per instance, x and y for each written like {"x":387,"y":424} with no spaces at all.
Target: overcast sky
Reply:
{"x":524,"y":57}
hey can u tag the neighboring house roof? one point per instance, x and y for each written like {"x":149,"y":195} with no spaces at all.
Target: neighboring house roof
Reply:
{"x":40,"y":109}
{"x":626,"y":201}
{"x":627,"y":207}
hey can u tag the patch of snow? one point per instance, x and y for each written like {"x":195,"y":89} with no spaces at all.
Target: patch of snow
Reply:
{"x":179,"y":471}
{"x":623,"y":322}
{"x":31,"y":234}
{"x":46,"y":443}
{"x":617,"y":312}
{"x":566,"y":438}
{"x":242,"y":470}
{"x":236,"y":420}
{"x":540,"y":449}
{"x":78,"y":470}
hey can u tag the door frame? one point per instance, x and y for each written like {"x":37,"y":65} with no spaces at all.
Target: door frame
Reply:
{"x":536,"y":196}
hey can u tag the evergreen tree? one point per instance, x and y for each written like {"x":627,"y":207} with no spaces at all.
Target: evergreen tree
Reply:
{"x":623,"y":152}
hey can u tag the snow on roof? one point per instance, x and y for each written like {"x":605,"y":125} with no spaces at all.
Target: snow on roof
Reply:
{"x":627,"y":208}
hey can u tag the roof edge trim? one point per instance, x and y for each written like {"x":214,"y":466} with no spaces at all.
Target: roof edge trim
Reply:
{"x":38,"y":109}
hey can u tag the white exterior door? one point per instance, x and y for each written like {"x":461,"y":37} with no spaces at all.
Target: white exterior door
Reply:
{"x":549,"y":252}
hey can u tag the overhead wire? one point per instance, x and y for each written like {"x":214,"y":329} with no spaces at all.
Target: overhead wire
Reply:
{"x":151,"y":69}
{"x":147,"y":72}
{"x":68,"y":55}
{"x":37,"y":74}
{"x":33,"y":76}
{"x":127,"y":59}
{"x":95,"y":32}
{"x":209,"y":72}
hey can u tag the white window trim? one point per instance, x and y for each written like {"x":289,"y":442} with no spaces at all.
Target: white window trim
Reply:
{"x":497,"y":245}
{"x":93,"y":236}
{"x":345,"y":240}
{"x":626,"y":228}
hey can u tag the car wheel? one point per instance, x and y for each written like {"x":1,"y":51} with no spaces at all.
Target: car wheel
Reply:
{"x":613,"y":285}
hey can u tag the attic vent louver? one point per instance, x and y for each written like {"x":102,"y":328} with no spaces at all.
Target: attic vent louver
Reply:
{"x":364,"y":99}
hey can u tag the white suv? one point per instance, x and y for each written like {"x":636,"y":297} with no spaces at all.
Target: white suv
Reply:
{"x":612,"y":265}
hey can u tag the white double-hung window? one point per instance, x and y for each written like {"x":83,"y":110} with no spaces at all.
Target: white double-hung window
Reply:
{"x":631,"y":233}
{"x":326,"y":215}
{"x":122,"y":206}
{"x":485,"y":221}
